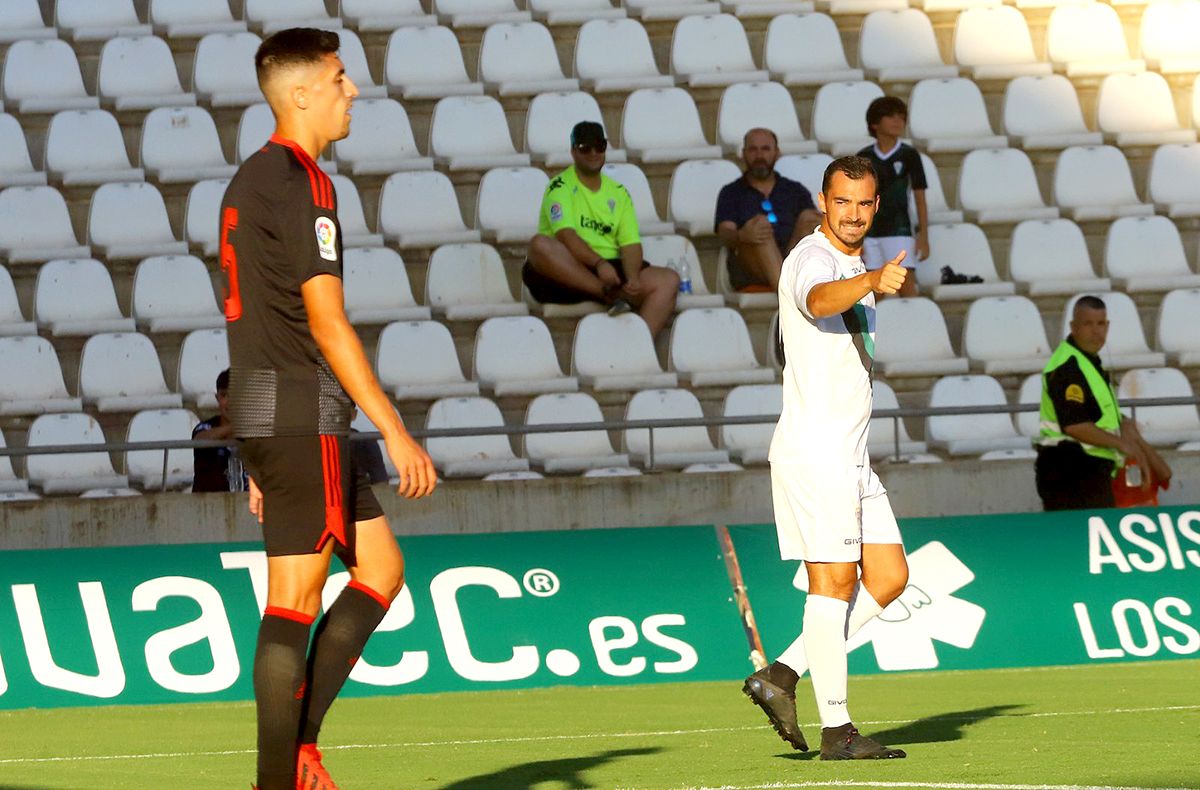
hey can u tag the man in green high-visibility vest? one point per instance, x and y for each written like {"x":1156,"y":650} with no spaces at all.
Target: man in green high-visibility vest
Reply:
{"x":1084,"y":441}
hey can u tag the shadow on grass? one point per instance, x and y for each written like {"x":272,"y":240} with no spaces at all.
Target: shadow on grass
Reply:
{"x":932,"y":729}
{"x":569,"y":771}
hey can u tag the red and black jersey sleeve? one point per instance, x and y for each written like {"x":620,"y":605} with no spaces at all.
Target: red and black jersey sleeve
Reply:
{"x":311,"y":235}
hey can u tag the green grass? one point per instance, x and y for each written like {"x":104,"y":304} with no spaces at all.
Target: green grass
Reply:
{"x":1121,"y":725}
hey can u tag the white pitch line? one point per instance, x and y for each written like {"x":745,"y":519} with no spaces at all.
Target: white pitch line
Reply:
{"x":641,"y":734}
{"x":933,"y":785}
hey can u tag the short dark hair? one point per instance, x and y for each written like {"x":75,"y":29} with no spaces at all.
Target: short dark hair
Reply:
{"x":749,"y":132}
{"x":223,"y":380}
{"x":853,"y":167}
{"x":1089,"y":302}
{"x":294,"y":46}
{"x":882,"y":108}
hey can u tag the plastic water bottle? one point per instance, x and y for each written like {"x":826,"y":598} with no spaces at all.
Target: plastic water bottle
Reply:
{"x":685,"y":276}
{"x":1133,"y":475}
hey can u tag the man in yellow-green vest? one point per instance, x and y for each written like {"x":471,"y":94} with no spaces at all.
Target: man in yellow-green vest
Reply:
{"x":1084,"y":440}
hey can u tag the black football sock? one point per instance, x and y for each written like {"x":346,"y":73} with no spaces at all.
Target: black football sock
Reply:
{"x":279,"y":672}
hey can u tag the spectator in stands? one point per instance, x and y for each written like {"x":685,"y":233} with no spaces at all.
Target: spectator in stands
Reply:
{"x":587,"y":244}
{"x":898,"y":168}
{"x":762,"y":215}
{"x":218,"y":468}
{"x":1084,"y":440}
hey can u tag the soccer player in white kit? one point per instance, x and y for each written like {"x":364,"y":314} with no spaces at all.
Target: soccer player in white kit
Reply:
{"x":831,"y":511}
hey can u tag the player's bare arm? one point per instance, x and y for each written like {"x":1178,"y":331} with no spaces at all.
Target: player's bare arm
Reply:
{"x":838,"y":296}
{"x":342,"y":349}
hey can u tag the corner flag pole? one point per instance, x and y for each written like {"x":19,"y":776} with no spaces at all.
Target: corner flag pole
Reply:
{"x":758,"y":656}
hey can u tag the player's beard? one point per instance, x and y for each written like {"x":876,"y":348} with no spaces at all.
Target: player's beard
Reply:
{"x":854,"y":238}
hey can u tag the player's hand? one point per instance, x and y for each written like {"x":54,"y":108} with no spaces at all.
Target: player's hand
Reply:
{"x":889,"y":278}
{"x":256,"y":500}
{"x":922,"y":246}
{"x":757,"y":230}
{"x":417,"y":477}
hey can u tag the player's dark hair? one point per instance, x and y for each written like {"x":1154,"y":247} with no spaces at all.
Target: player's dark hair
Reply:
{"x":223,"y":380}
{"x":296,"y":46}
{"x":853,"y":167}
{"x":882,"y":108}
{"x":1089,"y":302}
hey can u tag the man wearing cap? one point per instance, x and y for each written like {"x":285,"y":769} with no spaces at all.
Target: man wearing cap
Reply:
{"x":587,"y":245}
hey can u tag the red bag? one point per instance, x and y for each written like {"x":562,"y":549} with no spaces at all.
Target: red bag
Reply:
{"x":1135,"y":496}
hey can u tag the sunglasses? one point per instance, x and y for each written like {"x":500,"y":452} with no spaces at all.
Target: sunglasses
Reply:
{"x":592,"y":148}
{"x":767,"y":207}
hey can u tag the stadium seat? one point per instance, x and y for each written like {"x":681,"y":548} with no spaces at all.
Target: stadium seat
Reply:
{"x":692,"y":198}
{"x":1167,"y":36}
{"x":514,"y":355}
{"x":948,"y":115}
{"x":85,"y":148}
{"x":837,"y":115}
{"x":383,"y":16}
{"x":427,"y":63}
{"x":202,"y":212}
{"x":109,"y":492}
{"x":678,"y":253}
{"x":712,"y":49}
{"x":478,"y":13}
{"x":10,"y":484}
{"x":471,"y":133}
{"x":1162,"y":426}
{"x":354,"y":58}
{"x":508,"y":477}
{"x":549,"y":122}
{"x":806,"y":49}
{"x":203,"y":354}
{"x":416,"y":360}
{"x":598,"y":71}
{"x":223,"y":69}
{"x":617,"y":353}
{"x":1138,"y":109}
{"x":710,"y":347}
{"x":1177,"y":326}
{"x":469,"y":456}
{"x":1126,"y":345}
{"x":1003,"y":335}
{"x":1044,"y":113}
{"x":466,"y":282}
{"x":12,"y":320}
{"x":77,"y":297}
{"x":180,"y":19}
{"x":746,"y":9}
{"x":138,"y":73}
{"x":637,"y":185}
{"x":43,"y":76}
{"x":808,"y":169}
{"x":607,"y":471}
{"x":964,"y":248}
{"x":174,"y":293}
{"x":573,"y":12}
{"x":713,"y":468}
{"x":671,"y":448}
{"x":145,"y":467}
{"x":130,"y":221}
{"x":28,"y":496}
{"x":69,"y":473}
{"x":1087,"y":40}
{"x":1023,"y":454}
{"x":899,"y":46}
{"x":180,"y":145}
{"x":16,"y":168}
{"x":31,"y":379}
{"x":23,"y":20}
{"x":999,"y":185}
{"x":380,"y":140}
{"x":568,"y":452}
{"x":669,"y":9}
{"x":90,"y":20}
{"x":994,"y":43}
{"x":749,"y":443}
{"x":1196,"y":102}
{"x":120,"y":372}
{"x":936,"y":209}
{"x":1029,"y":422}
{"x":420,"y":209}
{"x":1146,"y":254}
{"x":663,"y":125}
{"x":750,"y":105}
{"x":273,"y":15}
{"x":1050,"y":258}
{"x":519,"y":59}
{"x":376,"y":287}
{"x":1174,"y":181}
{"x":37,"y":226}
{"x":888,"y":436}
{"x":743,"y":300}
{"x":506,"y":209}
{"x":912,"y":339}
{"x":353,"y":224}
{"x":1093,"y":182}
{"x":970,"y":434}
{"x":254,"y":129}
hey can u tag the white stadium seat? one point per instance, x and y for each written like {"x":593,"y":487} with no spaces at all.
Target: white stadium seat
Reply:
{"x":678,"y":253}
{"x":427,"y":63}
{"x":179,"y":19}
{"x":838,"y":114}
{"x":201,"y":214}
{"x":174,"y":293}
{"x":506,"y":208}
{"x":1044,"y":112}
{"x":888,"y":436}
{"x":145,"y":467}
{"x":637,"y":185}
{"x":180,"y":145}
{"x":478,"y":13}
{"x":37,"y":226}
{"x":519,"y":59}
{"x":949,"y":115}
{"x":69,"y":473}
{"x":994,"y":43}
{"x":254,"y":129}
{"x":669,"y":9}
{"x":712,"y":49}
{"x":138,"y":73}
{"x":77,"y":297}
{"x":471,"y":133}
{"x":806,"y":49}
{"x":376,"y":287}
{"x":91,"y":20}
{"x":12,"y":320}
{"x":1146,"y":254}
{"x":130,"y":221}
{"x":1029,"y":422}
{"x":203,"y":354}
{"x":1174,"y":180}
{"x":970,"y":434}
{"x":744,"y":9}
{"x":1163,"y":426}
{"x":384,"y":16}
{"x":750,"y":105}
{"x":749,"y":443}
{"x":223,"y":69}
{"x":617,"y":353}
{"x":31,"y":379}
{"x":1050,"y":258}
{"x":601,"y":73}
{"x":120,"y":372}
{"x":514,"y":355}
{"x":43,"y":76}
{"x":1177,"y":326}
{"x":1167,"y":35}
{"x":607,"y":471}
{"x":692,"y":198}
{"x":671,"y":448}
{"x":469,"y":456}
{"x":549,"y":122}
{"x":937,"y":211}
{"x":85,"y":147}
{"x":420,"y":209}
{"x":568,"y":451}
{"x":355,"y":232}
{"x":466,"y":282}
{"x":16,"y":168}
{"x":1003,"y":335}
{"x":1196,"y":102}
{"x":416,"y":360}
{"x":899,"y":46}
{"x":23,"y":20}
{"x":912,"y":340}
{"x":109,"y":492}
{"x":273,"y":15}
{"x":380,"y":141}
{"x":999,"y":185}
{"x":1095,"y":183}
{"x":573,"y":12}
{"x":11,"y":486}
{"x":1126,"y":345}
{"x":1087,"y":40}
{"x":663,"y":125}
{"x":808,"y":169}
{"x":964,"y":248}
{"x":710,"y":347}
{"x":712,"y":468}
{"x":1138,"y":109}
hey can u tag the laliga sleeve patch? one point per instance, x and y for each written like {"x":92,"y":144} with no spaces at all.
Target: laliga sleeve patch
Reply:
{"x":556,"y":212}
{"x":327,"y":238}
{"x":1074,"y":393}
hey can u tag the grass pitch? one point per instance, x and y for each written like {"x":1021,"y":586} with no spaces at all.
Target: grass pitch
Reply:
{"x":1119,"y":725}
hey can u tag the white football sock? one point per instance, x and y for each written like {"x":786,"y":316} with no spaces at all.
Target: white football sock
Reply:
{"x":825,"y":644}
{"x":863,"y":609}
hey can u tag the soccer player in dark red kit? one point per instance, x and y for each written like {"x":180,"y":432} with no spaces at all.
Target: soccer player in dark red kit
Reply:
{"x":297,"y":369}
